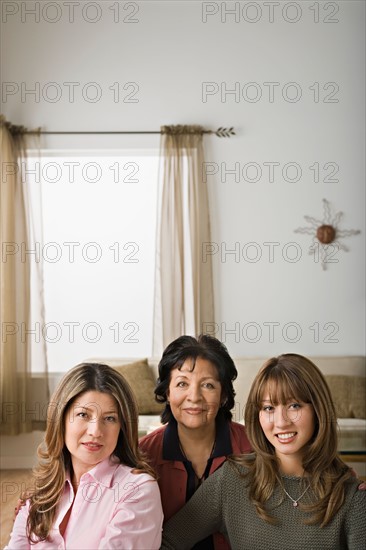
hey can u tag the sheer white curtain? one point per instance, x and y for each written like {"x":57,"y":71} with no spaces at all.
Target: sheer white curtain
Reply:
{"x":21,"y":291}
{"x":183,"y":283}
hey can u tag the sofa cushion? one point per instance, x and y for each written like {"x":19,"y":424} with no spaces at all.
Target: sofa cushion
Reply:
{"x":348,"y":394}
{"x":140,"y":377}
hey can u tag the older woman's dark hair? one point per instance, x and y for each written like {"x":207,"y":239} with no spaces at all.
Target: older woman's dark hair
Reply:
{"x":204,"y":347}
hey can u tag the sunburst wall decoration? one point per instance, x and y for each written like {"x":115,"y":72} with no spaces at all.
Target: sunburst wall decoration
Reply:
{"x":326,"y":235}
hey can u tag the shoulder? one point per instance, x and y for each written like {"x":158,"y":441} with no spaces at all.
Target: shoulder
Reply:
{"x":126,"y":474}
{"x":353,"y":493}
{"x":355,"y":512}
{"x":239,"y":438}
{"x":234,"y":468}
{"x":237,"y":428}
{"x":131,"y":486}
{"x":151,"y":440}
{"x":231,"y":470}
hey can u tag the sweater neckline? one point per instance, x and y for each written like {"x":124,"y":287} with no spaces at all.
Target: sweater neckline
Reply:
{"x":294,"y":478}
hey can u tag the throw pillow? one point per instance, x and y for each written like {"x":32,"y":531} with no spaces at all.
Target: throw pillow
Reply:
{"x":348,"y":394}
{"x":140,"y":377}
{"x":339,"y":388}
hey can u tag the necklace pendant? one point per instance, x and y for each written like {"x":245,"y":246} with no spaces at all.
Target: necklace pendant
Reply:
{"x":295,"y":502}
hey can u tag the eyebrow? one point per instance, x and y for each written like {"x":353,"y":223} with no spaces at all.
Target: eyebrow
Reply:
{"x":93,"y":409}
{"x":205,"y":378}
{"x":289,"y":400}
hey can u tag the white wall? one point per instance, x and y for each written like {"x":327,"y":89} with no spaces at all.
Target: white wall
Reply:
{"x":168,"y":53}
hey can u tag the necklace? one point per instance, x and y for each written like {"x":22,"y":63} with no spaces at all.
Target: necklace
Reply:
{"x":295,"y":502}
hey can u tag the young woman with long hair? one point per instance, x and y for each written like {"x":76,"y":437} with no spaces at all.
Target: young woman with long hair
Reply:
{"x":92,"y":487}
{"x":293,"y":491}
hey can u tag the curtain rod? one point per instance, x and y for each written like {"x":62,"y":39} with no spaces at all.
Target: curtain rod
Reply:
{"x":220,"y":132}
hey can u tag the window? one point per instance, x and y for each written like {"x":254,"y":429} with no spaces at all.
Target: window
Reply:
{"x":99,"y":229}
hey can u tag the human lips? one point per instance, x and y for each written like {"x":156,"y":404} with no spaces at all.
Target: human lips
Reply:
{"x":91,"y":446}
{"x":194,"y":411}
{"x":286,"y":437}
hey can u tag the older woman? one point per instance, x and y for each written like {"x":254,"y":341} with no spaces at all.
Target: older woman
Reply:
{"x":196,"y":383}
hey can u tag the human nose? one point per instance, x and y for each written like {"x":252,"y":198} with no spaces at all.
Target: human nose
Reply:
{"x":281,"y":417}
{"x":194,"y":393}
{"x":94,"y":428}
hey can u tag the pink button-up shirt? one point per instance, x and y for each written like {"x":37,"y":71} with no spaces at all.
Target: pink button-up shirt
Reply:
{"x":113,"y":508}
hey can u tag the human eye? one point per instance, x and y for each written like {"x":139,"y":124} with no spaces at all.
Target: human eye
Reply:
{"x":82,"y":414}
{"x":268,"y":408}
{"x":209,"y":385}
{"x":294,"y":406}
{"x":111,"y":419}
{"x":181,"y":384}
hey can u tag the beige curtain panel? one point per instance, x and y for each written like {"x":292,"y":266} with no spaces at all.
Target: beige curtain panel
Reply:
{"x":19,"y":408}
{"x":184,"y":288}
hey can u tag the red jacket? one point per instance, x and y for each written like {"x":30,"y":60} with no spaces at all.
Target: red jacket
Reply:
{"x":172,"y":474}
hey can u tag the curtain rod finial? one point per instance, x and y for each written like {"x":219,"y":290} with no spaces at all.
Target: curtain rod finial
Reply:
{"x":225,"y":132}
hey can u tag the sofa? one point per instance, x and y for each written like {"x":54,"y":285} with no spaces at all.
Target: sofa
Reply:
{"x":345,"y":375}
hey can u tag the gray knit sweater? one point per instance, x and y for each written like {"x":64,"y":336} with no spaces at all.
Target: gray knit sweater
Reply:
{"x":222,"y":504}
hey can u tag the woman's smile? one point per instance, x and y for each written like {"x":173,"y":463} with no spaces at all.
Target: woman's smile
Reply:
{"x":286,"y":437}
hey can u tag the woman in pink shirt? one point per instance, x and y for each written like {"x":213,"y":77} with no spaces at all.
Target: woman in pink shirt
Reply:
{"x":92,"y":488}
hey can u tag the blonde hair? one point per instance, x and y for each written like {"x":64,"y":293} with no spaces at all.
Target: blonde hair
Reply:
{"x":54,"y":457}
{"x":292,"y":376}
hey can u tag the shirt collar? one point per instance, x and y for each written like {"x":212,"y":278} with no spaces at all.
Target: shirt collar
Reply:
{"x":171,"y":446}
{"x":102,"y":473}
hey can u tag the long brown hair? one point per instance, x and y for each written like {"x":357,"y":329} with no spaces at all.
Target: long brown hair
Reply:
{"x":54,"y":457}
{"x":292,"y":376}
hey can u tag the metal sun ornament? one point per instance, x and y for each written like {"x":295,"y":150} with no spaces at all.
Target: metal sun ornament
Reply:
{"x":326,"y":235}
